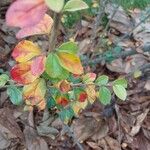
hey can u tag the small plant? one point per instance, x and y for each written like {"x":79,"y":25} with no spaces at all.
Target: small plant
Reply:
{"x":54,"y":77}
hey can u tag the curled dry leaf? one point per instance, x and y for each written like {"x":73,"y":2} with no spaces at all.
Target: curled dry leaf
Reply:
{"x":33,"y":141}
{"x":8,"y":124}
{"x":135,"y":129}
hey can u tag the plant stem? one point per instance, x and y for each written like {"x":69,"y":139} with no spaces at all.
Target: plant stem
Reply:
{"x":54,"y":32}
{"x":6,"y":86}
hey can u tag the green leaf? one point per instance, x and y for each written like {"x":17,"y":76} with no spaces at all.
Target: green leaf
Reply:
{"x":69,"y":47}
{"x":121,"y":82}
{"x":3,"y":79}
{"x":102,"y":80}
{"x":74,"y":5}
{"x":120,"y":91}
{"x":104,"y":95}
{"x":66,"y":115}
{"x":55,"y":5}
{"x":15,"y":95}
{"x":51,"y":102}
{"x":89,"y":77}
{"x":53,"y":67}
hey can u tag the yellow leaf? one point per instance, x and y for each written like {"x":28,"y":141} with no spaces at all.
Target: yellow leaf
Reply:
{"x":25,"y":50}
{"x":78,"y":106}
{"x":70,"y":62}
{"x":34,"y":94}
{"x":90,"y":90}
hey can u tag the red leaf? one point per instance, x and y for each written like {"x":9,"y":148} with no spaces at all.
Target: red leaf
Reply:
{"x":38,"y":65}
{"x":62,"y":101}
{"x":43,"y":27}
{"x":24,"y":13}
{"x":22,"y":74}
{"x":83,"y":96}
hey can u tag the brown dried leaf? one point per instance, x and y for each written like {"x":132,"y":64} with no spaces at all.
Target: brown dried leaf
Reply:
{"x":135,"y":129}
{"x":33,"y":141}
{"x":8,"y":122}
{"x":113,"y":144}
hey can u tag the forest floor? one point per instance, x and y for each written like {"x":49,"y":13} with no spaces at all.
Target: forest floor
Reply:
{"x":122,"y":125}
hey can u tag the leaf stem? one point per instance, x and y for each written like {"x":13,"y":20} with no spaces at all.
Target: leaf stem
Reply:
{"x":54,"y":31}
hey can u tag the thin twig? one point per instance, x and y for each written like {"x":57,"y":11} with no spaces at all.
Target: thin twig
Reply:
{"x":104,"y":57}
{"x":110,"y":20}
{"x":6,"y":86}
{"x":99,"y":18}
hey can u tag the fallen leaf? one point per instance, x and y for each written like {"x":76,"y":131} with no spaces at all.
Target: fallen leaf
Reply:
{"x":9,"y":125}
{"x":4,"y":142}
{"x":135,"y":129}
{"x":113,"y":144}
{"x":33,"y":141}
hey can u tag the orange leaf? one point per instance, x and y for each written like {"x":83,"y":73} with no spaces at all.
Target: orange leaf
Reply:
{"x":22,"y":74}
{"x":64,"y":86}
{"x":38,"y":65}
{"x":24,"y":13}
{"x":25,"y":50}
{"x":70,"y":62}
{"x":43,"y":27}
{"x":62,"y":100}
{"x":34,"y":93}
